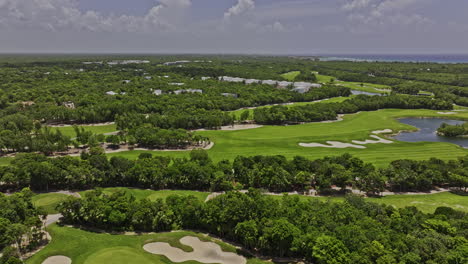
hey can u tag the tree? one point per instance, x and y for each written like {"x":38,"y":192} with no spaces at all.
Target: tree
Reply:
{"x":278,"y":236}
{"x":460,"y":181}
{"x":200,"y":155}
{"x":244,"y":115}
{"x":247,"y":232}
{"x":330,"y":250}
{"x":372,"y":183}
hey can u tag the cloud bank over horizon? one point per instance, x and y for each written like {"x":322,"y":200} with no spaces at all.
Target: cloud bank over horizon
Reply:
{"x":234,"y":26}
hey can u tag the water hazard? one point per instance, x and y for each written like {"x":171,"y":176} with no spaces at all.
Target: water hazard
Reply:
{"x":428,"y":131}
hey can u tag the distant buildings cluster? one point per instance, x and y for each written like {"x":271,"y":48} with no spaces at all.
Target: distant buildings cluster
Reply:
{"x":121,"y":62}
{"x":300,"y":87}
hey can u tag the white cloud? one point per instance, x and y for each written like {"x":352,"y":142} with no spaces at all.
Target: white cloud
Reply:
{"x":356,"y":4}
{"x":65,"y":15}
{"x":241,"y":7}
{"x":383,"y":12}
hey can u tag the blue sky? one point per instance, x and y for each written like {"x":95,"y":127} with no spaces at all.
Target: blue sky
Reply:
{"x":235,"y":26}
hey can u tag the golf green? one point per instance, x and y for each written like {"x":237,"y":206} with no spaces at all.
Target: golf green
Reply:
{"x":85,"y":247}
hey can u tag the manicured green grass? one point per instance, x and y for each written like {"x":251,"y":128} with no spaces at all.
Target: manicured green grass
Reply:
{"x":85,"y":247}
{"x":365,"y":87}
{"x":284,"y":140}
{"x":238,"y":113}
{"x":427,"y":203}
{"x":151,"y":194}
{"x":290,"y":76}
{"x":48,"y":201}
{"x":69,"y":131}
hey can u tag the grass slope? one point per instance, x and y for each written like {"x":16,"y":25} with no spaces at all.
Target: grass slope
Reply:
{"x":365,"y":87}
{"x":238,"y":113}
{"x":151,"y":194}
{"x":284,"y":140}
{"x":69,"y":131}
{"x":48,"y":201}
{"x":290,"y":76}
{"x":426,"y":203}
{"x":85,"y":247}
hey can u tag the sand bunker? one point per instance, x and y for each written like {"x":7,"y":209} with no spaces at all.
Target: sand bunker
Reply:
{"x":57,"y":260}
{"x":355,"y":143}
{"x":204,"y":252}
{"x":385,"y":131}
{"x":370,"y":141}
{"x":331,"y":144}
{"x":446,"y":113}
{"x":234,"y":127}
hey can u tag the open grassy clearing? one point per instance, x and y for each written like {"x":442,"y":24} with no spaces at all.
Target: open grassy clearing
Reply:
{"x":151,"y":194}
{"x":85,"y":247}
{"x":49,"y":201}
{"x":69,"y":131}
{"x":365,"y":87}
{"x":284,"y":140}
{"x":290,"y":76}
{"x":427,"y":203}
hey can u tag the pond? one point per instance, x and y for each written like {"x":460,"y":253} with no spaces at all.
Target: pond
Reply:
{"x":428,"y":131}
{"x":356,"y":92}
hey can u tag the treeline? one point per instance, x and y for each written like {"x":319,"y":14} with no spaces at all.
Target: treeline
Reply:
{"x":151,"y":137}
{"x":195,"y":118}
{"x":328,"y":111}
{"x":444,"y":81}
{"x":20,"y":226}
{"x":42,"y":92}
{"x":199,"y":172}
{"x":191,"y":119}
{"x":19,"y":133}
{"x":453,"y":130}
{"x":353,"y":231}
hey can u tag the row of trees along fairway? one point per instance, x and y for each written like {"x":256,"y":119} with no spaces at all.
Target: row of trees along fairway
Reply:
{"x":354,"y":231}
{"x":273,"y":173}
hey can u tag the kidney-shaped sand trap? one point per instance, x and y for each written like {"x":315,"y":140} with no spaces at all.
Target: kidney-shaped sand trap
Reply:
{"x":370,"y":141}
{"x":331,"y":144}
{"x":204,"y":252}
{"x":57,"y":260}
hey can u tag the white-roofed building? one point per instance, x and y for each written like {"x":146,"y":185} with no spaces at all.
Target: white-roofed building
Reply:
{"x":188,"y":91}
{"x":284,"y":84}
{"x":270,"y":82}
{"x":233,"y":95}
{"x":250,"y":81}
{"x":301,"y":90}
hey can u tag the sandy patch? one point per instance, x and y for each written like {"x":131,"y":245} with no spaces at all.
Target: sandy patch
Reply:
{"x":57,"y":260}
{"x":338,"y":119}
{"x":52,"y":218}
{"x":84,"y":125}
{"x":385,"y":131}
{"x":124,"y":148}
{"x":204,"y":252}
{"x":234,"y":127}
{"x":446,"y":113}
{"x":370,"y":141}
{"x":331,"y":144}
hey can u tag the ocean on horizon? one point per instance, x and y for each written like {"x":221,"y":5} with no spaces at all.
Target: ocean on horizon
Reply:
{"x":437,"y":58}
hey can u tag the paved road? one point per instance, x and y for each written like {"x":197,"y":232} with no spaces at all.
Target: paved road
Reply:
{"x":53,"y":218}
